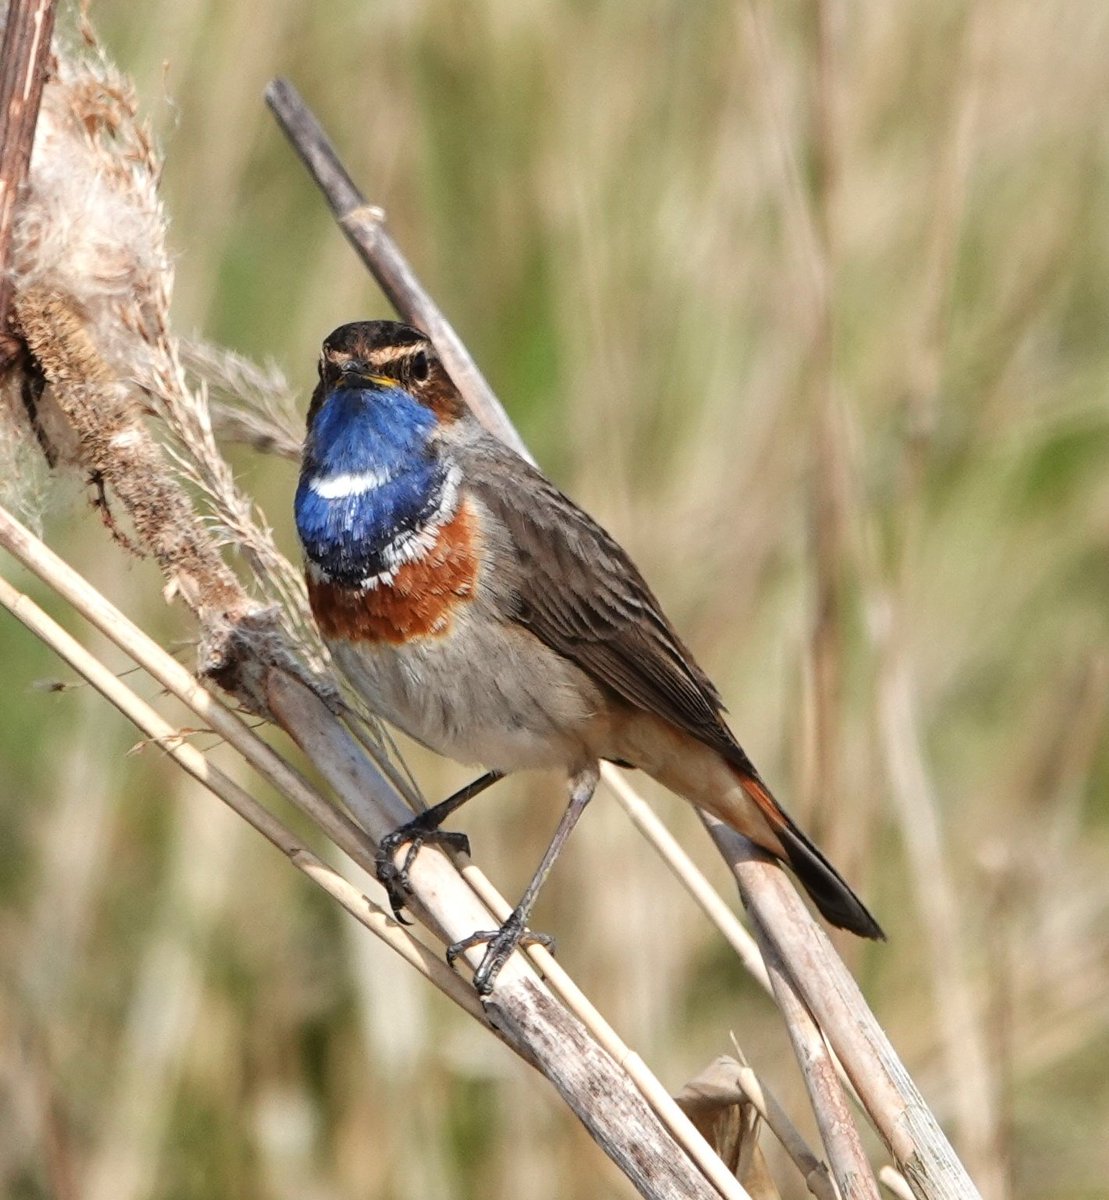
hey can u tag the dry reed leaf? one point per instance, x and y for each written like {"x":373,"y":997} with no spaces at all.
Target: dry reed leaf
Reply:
{"x":724,"y":1118}
{"x":728,"y":1082}
{"x":757,"y":1178}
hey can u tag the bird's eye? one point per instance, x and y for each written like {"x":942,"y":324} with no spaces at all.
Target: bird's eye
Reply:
{"x":421,"y":368}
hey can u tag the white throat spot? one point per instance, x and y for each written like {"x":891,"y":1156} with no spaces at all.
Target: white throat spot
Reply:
{"x":348,"y":483}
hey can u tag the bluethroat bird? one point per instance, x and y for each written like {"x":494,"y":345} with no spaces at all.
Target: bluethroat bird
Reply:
{"x":478,"y":609}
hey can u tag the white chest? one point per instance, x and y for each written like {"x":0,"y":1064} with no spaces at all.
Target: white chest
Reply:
{"x":486,"y":693}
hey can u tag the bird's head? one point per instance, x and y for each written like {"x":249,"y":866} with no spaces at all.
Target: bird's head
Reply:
{"x":384,"y":355}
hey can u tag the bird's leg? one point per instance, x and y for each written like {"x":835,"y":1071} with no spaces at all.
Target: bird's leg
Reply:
{"x":502,"y":942}
{"x":423,"y":830}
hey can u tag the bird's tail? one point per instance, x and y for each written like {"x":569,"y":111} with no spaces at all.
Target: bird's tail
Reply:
{"x":829,"y":891}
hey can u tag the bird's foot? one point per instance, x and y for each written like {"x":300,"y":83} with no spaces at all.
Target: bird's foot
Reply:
{"x":500,"y":945}
{"x":422,"y":830}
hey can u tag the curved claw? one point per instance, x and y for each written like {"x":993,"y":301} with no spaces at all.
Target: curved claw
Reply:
{"x":395,"y":882}
{"x":416,"y":834}
{"x":500,"y":945}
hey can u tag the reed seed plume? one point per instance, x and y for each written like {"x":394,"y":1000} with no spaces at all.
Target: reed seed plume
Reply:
{"x":250,"y":403}
{"x":91,"y":242}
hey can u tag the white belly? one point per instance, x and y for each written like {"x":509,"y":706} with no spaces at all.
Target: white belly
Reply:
{"x":488,"y":693}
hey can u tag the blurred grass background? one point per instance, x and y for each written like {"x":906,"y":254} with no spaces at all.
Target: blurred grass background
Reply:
{"x":809,"y":304}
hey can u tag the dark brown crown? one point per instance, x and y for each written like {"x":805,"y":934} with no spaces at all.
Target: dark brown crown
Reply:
{"x":388,"y":350}
{"x":372,"y":339}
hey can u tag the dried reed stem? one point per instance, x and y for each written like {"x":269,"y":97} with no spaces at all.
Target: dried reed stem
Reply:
{"x":725,"y":921}
{"x":24,"y":52}
{"x":850,"y":1168}
{"x":519,"y":1007}
{"x":726,"y":1081}
{"x":899,"y":1112}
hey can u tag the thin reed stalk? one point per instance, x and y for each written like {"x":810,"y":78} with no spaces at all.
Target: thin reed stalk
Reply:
{"x":24,"y":54}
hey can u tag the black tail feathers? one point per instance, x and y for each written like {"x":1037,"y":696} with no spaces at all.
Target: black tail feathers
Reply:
{"x":830,"y":892}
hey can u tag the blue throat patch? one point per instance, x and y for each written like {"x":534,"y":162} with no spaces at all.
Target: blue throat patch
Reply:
{"x":367,"y":431}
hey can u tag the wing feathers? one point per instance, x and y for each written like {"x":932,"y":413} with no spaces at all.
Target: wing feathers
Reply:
{"x":576,"y":589}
